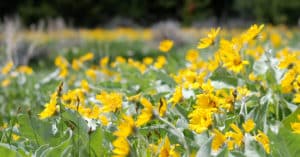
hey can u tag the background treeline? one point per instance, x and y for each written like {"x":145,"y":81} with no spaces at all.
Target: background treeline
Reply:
{"x":90,"y":13}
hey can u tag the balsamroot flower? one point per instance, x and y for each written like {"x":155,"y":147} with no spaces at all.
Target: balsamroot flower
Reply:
{"x":218,"y":140}
{"x":166,"y":45}
{"x":110,"y":101}
{"x":146,"y":113}
{"x":263,"y":139}
{"x":209,"y":40}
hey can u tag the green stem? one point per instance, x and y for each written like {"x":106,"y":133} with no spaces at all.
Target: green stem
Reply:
{"x":178,"y":134}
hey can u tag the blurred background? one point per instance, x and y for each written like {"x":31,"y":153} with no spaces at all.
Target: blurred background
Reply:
{"x":35,"y":31}
{"x":133,"y":13}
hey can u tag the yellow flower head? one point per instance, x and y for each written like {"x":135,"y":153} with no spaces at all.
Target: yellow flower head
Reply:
{"x":6,"y":69}
{"x":263,"y":139}
{"x":5,"y":82}
{"x":25,"y":69}
{"x":236,"y":136}
{"x":167,"y":150}
{"x":192,"y":55}
{"x":121,"y":147}
{"x":148,"y":60}
{"x":110,"y":101}
{"x":87,"y":57}
{"x":166,"y":45}
{"x":162,"y":106}
{"x":160,"y":62}
{"x":146,"y":113}
{"x":251,"y":33}
{"x":200,"y":119}
{"x":91,"y":73}
{"x":295,"y":127}
{"x":209,"y":40}
{"x":177,"y":95}
{"x":104,"y":61}
{"x":249,"y":125}
{"x":85,"y":85}
{"x":218,"y":141}
{"x":50,"y":108}
{"x":125,"y":128}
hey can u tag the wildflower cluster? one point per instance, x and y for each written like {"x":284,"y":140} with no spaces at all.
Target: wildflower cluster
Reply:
{"x":234,"y":93}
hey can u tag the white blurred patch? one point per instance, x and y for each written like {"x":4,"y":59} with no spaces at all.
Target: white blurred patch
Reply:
{"x":92,"y":124}
{"x":188,"y":93}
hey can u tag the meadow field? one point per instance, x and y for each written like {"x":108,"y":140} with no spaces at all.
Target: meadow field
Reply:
{"x":134,"y":92}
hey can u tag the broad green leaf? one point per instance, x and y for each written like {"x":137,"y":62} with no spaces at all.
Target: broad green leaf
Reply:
{"x":97,"y":145}
{"x":205,"y":149}
{"x":61,"y":150}
{"x":222,"y":77}
{"x":39,"y":131}
{"x":8,"y":150}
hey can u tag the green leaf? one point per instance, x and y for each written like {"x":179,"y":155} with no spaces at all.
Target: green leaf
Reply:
{"x":61,"y":150}
{"x":8,"y":150}
{"x":223,"y":152}
{"x":97,"y":143}
{"x":278,"y":148}
{"x":205,"y":149}
{"x":286,"y":142}
{"x":36,"y":130}
{"x":291,"y":118}
{"x":222,"y":77}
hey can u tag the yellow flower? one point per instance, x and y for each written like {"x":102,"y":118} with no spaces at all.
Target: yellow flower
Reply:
{"x":104,"y":121}
{"x":192,"y":55}
{"x":200,"y":119}
{"x":91,"y":73}
{"x":252,"y":77}
{"x":236,"y":136}
{"x":218,"y":141}
{"x":251,"y":33}
{"x":263,"y":140}
{"x":249,"y":125}
{"x":146,"y":113}
{"x":167,"y":150}
{"x":125,"y":128}
{"x":104,"y":61}
{"x":235,"y":63}
{"x":134,"y":97}
{"x":121,"y":147}
{"x":160,"y":62}
{"x":110,"y":101}
{"x":63,"y":73}
{"x":91,"y":113}
{"x":209,"y":40}
{"x":61,"y":62}
{"x":275,"y":39}
{"x":85,"y":85}
{"x":162,"y":106}
{"x":5,"y":82}
{"x":287,"y":81}
{"x":296,"y":98}
{"x":165,"y":45}
{"x":207,"y":101}
{"x":295,"y":127}
{"x":6,"y":69}
{"x":76,"y":64}
{"x":242,"y":92}
{"x":287,"y":60}
{"x":177,"y":95}
{"x":15,"y":137}
{"x":87,"y":57}
{"x":50,"y":108}
{"x":25,"y":69}
{"x":147,"y":60}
